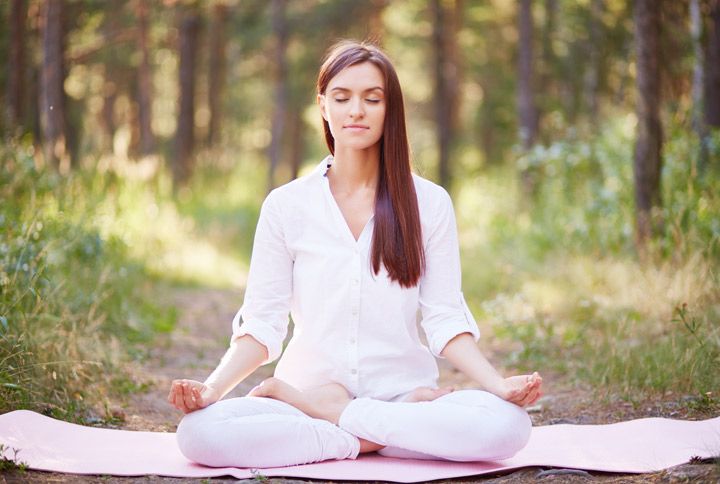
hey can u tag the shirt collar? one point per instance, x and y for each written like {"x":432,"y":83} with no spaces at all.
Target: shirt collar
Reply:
{"x":324,"y":165}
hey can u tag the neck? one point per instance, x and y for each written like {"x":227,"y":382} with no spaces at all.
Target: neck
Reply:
{"x":354,"y":170}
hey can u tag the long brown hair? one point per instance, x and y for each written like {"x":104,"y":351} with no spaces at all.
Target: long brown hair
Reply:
{"x":397,"y":238}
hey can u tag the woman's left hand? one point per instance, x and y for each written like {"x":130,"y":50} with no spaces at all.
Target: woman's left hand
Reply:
{"x":521,"y":389}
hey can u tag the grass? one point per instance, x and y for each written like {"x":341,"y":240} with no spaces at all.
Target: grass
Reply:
{"x":74,"y":306}
{"x":11,"y":463}
{"x":563,"y":277}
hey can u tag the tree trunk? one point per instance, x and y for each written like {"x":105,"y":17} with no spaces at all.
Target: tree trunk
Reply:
{"x":52,"y":95}
{"x":591,"y":79}
{"x":446,"y":23}
{"x":696,"y":32}
{"x":280,"y":32}
{"x":15,"y":93}
{"x":107,"y":114}
{"x":648,"y":146}
{"x":712,"y":67}
{"x":547,"y":79}
{"x":297,"y":141}
{"x":216,"y":71}
{"x":376,"y":29}
{"x":32,"y":120}
{"x":111,"y":76}
{"x":144,"y":81}
{"x":527,"y":111}
{"x":185,"y":134}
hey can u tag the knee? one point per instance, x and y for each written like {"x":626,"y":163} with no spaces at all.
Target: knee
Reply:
{"x":510,"y":431}
{"x":500,"y":428}
{"x":195,"y":440}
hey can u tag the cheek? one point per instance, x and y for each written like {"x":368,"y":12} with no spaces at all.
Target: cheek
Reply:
{"x":334,"y":117}
{"x":381,"y":118}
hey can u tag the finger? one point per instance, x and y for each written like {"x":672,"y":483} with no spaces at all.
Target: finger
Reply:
{"x":536,"y":398}
{"x":538,"y":379}
{"x":525,"y":390}
{"x":172,"y":398}
{"x":533,"y":386}
{"x":188,"y":398}
{"x":194,"y":395}
{"x":531,"y":397}
{"x":177,"y":399}
{"x":538,"y":385}
{"x":180,"y":400}
{"x":198,"y":397}
{"x":171,"y":393}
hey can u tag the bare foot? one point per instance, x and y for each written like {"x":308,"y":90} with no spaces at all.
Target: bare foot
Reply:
{"x":426,"y":394}
{"x":326,"y":402}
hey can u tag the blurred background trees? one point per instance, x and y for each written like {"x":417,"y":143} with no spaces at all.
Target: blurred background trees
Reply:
{"x":486,"y":81}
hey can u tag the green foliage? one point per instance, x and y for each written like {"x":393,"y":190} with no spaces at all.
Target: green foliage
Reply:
{"x":562,"y":277}
{"x":73,"y":301}
{"x":10,"y":463}
{"x":633,"y":355}
{"x":586,"y":198}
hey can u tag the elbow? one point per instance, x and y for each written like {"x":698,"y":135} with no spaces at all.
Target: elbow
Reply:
{"x":460,"y":340}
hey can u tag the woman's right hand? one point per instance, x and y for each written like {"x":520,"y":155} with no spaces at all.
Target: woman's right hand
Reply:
{"x":191,"y":395}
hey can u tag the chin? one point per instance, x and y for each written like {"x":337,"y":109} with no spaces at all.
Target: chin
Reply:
{"x":356,"y":145}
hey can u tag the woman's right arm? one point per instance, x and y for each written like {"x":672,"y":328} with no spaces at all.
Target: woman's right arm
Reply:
{"x":243,"y":357}
{"x":260,"y":327}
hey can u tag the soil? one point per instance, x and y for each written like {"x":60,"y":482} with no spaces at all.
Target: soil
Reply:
{"x":201,"y":338}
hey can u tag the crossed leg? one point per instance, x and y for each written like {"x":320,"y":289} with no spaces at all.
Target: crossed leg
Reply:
{"x":290,"y":427}
{"x":260,"y":432}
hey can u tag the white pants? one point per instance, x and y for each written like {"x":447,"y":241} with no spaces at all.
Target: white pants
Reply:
{"x":465,"y":425}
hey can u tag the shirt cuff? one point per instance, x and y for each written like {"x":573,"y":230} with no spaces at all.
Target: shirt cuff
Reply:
{"x":465,"y":325}
{"x":259,"y":330}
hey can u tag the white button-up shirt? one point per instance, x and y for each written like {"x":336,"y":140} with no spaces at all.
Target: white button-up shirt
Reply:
{"x":352,"y":326}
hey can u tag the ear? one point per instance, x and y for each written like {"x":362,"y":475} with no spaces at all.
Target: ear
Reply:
{"x":321,"y":102}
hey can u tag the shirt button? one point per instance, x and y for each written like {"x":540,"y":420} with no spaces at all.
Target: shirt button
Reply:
{"x":352,"y":340}
{"x":354,"y":310}
{"x":353,"y":371}
{"x":355,"y":282}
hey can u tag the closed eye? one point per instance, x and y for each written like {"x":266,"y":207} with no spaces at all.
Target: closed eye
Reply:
{"x":374,"y":101}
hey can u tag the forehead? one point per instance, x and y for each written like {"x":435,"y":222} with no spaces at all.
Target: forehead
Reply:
{"x":358,"y":77}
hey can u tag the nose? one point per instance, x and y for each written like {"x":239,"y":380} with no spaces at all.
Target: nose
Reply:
{"x":356,"y":108}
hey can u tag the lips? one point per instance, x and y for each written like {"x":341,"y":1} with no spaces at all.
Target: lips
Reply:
{"x":356,"y":126}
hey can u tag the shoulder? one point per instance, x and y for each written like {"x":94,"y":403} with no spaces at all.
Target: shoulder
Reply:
{"x":295,"y":191}
{"x":431,"y":196}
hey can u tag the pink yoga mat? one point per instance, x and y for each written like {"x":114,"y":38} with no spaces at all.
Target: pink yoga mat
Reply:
{"x":636,"y":446}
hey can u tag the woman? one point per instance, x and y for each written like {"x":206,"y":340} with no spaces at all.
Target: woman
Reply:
{"x":352,"y":251}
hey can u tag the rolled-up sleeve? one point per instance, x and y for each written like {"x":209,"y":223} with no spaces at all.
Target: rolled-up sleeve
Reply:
{"x":443,"y":309}
{"x":265,"y":311}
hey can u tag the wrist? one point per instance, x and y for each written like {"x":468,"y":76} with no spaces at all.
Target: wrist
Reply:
{"x":495,"y":386}
{"x":213,"y":388}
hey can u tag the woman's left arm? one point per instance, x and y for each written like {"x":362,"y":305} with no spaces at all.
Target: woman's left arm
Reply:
{"x":449,"y":326}
{"x":463,"y":353}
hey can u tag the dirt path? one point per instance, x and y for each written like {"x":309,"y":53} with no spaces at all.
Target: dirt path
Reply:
{"x":202,"y":335}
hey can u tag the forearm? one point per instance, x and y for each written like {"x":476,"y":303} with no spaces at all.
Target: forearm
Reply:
{"x":243,"y":357}
{"x":464,"y":354}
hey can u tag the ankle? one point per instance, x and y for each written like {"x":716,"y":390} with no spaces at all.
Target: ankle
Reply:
{"x":368,"y":446}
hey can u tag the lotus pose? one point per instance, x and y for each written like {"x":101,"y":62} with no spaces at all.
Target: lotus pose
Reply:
{"x":355,"y":252}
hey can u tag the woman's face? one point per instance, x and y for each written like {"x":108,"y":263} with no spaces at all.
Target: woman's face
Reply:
{"x":354,"y":106}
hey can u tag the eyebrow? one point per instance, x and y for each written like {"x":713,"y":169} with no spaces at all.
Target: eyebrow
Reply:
{"x":344,"y":89}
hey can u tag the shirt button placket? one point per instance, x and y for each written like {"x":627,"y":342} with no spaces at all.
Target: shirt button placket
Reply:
{"x":355,"y":316}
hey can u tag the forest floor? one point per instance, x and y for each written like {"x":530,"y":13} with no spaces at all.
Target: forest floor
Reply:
{"x":201,"y":337}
